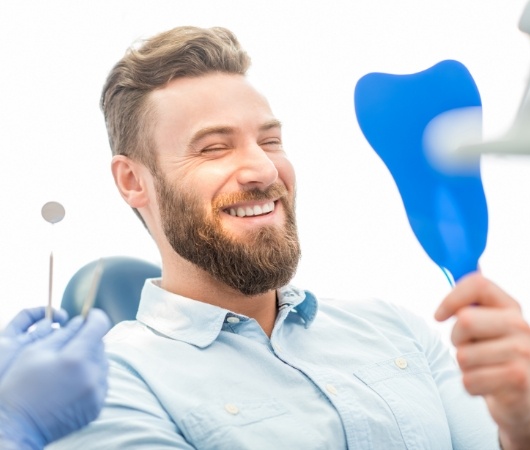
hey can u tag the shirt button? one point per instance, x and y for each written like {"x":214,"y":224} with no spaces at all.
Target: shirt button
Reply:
{"x":278,"y":348}
{"x":401,"y":363}
{"x":331,"y":389}
{"x":231,"y":408}
{"x":232,"y":319}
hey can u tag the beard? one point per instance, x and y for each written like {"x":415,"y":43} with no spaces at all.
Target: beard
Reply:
{"x":254,"y":263}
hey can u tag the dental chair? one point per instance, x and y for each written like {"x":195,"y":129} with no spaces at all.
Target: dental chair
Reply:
{"x":119,"y":289}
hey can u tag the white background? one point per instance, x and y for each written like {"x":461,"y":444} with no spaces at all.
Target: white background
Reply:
{"x":307,"y":56}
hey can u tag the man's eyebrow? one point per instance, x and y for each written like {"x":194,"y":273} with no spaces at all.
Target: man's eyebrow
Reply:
{"x":226,"y":130}
{"x":270,"y":124}
{"x":203,"y":132}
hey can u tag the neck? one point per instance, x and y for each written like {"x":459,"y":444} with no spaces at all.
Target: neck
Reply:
{"x":183,"y":278}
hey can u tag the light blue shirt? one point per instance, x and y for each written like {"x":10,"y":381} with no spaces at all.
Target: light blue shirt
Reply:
{"x":357,"y":375}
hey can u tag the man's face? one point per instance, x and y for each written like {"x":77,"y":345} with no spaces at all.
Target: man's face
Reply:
{"x":224,"y":186}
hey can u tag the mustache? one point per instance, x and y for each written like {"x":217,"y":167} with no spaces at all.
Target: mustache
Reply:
{"x":273,"y":192}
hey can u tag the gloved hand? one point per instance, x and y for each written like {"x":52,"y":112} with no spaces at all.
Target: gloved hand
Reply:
{"x":56,"y":385}
{"x":16,"y":335}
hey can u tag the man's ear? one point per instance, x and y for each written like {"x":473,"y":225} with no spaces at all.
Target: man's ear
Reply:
{"x":131,"y":179}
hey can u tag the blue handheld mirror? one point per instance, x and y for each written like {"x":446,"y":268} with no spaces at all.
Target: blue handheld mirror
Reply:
{"x":446,"y":206}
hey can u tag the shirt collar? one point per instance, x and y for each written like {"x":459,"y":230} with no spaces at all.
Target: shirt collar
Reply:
{"x":199,"y":323}
{"x":304,"y":303}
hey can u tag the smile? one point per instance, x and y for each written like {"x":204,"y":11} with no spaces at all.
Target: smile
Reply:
{"x":251,"y":210}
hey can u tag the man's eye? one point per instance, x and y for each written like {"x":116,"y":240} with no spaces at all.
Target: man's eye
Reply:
{"x":212,"y":149}
{"x":273,"y":144}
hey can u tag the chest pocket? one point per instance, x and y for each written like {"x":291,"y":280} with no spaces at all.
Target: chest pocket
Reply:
{"x":406,"y":385}
{"x":258,"y":424}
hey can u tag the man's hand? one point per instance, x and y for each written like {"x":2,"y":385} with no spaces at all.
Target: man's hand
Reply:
{"x":56,"y":385}
{"x":492,"y":342}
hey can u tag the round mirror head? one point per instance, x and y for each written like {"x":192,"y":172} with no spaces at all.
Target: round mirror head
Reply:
{"x":53,"y":212}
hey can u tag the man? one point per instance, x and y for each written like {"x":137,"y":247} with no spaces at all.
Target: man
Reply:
{"x":224,"y":353}
{"x":52,"y":382}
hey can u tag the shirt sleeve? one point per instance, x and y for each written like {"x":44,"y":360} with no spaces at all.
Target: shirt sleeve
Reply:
{"x":131,"y":418}
{"x":468,"y":417}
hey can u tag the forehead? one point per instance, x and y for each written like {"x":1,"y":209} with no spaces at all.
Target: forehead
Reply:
{"x":186,"y":105}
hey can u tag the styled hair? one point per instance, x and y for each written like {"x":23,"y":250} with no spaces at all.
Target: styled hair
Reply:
{"x":180,"y":52}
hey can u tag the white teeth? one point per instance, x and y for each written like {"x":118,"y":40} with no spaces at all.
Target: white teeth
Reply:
{"x":249,"y":211}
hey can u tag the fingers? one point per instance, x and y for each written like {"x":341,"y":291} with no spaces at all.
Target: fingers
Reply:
{"x":42,"y":328}
{"x":23,"y":320}
{"x":59,"y":338}
{"x":28,"y":317}
{"x":96,"y":325}
{"x":492,"y":342}
{"x":78,"y":334}
{"x":507,"y":381}
{"x":486,"y":323}
{"x":494,"y":352}
{"x":474,"y":289}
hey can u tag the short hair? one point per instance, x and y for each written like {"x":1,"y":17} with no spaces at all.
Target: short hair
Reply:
{"x":180,"y":52}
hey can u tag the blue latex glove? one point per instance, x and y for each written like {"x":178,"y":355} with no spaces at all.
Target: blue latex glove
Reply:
{"x":17,"y":335}
{"x":56,"y":385}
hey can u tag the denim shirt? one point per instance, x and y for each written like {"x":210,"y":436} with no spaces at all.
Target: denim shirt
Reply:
{"x":333,"y":375}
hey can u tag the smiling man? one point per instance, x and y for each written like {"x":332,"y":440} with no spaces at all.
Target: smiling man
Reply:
{"x":218,"y":192}
{"x":245,"y":239}
{"x":225,"y":354}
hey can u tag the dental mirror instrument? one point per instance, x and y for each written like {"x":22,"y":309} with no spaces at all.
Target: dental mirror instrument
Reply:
{"x":52,"y":212}
{"x":92,"y":292}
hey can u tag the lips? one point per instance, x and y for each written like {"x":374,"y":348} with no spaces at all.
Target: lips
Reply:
{"x":250,"y":210}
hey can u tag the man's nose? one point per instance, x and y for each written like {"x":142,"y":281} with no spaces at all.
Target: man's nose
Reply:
{"x":256,"y":168}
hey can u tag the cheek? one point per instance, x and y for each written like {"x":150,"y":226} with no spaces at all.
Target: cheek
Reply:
{"x":286,"y":173}
{"x":206,"y":181}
